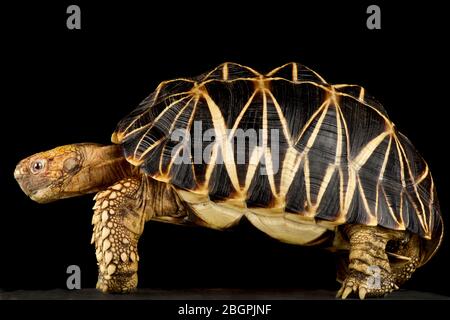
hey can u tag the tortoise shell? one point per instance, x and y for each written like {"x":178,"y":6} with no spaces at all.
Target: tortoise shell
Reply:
{"x":337,"y":157}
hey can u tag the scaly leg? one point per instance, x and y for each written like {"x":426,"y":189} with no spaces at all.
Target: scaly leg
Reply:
{"x":406,"y":259}
{"x":369,"y":271}
{"x":118,"y":220}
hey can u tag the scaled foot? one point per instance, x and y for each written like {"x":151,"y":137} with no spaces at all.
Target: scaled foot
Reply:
{"x":366,"y":286}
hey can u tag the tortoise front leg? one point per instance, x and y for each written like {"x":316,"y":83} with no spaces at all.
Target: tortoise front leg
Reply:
{"x":118,"y":223}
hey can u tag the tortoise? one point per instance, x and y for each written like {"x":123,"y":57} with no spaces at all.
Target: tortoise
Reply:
{"x":305,"y":161}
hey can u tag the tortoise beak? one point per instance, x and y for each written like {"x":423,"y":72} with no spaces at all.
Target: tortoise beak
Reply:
{"x":20,"y":174}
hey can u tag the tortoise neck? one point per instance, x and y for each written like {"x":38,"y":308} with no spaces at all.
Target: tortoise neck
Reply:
{"x":102,"y":166}
{"x":162,"y":201}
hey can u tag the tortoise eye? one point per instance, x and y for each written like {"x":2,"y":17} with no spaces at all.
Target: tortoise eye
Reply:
{"x":37,"y":166}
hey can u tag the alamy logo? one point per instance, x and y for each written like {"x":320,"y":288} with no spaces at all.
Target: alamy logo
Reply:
{"x":374,"y":281}
{"x":374,"y":19}
{"x":233,"y":146}
{"x":74,"y":19}
{"x":74,"y":280}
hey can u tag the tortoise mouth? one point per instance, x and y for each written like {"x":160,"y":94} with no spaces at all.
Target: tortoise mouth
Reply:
{"x":20,"y":177}
{"x":39,"y":195}
{"x":40,"y":198}
{"x":19,"y":173}
{"x":25,"y":185}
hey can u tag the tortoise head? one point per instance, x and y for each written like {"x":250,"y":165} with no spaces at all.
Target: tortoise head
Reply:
{"x":67,"y":171}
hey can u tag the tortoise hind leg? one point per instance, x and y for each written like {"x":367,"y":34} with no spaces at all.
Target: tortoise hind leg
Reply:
{"x":369,"y":271}
{"x":405,"y":259}
{"x":118,"y":220}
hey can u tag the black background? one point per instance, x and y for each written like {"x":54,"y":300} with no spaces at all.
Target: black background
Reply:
{"x":65,"y":86}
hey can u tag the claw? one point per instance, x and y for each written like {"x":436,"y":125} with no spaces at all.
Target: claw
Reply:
{"x":362,"y":293}
{"x":347,"y":291}
{"x":339,"y":293}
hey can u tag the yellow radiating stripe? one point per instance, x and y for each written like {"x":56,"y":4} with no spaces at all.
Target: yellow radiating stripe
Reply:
{"x":222,"y":139}
{"x":391,"y":211}
{"x":423,"y":175}
{"x":386,"y":119}
{"x":283,"y":120}
{"x":172,"y":126}
{"x":381,"y":175}
{"x":337,"y":159}
{"x":309,"y":144}
{"x":325,"y":182}
{"x":361,"y":90}
{"x":156,"y":95}
{"x":361,"y":94}
{"x":188,"y":126}
{"x":341,"y":191}
{"x":307,"y":182}
{"x":138,"y":162}
{"x":241,"y":114}
{"x":269,"y":170}
{"x":422,"y":206}
{"x":254,"y":160}
{"x":267,"y":152}
{"x":401,"y":205}
{"x":149,"y":109}
{"x":385,"y":160}
{"x":347,"y":195}
{"x":121,"y":136}
{"x":225,"y":71}
{"x":339,"y":148}
{"x":273,"y":71}
{"x":211,"y":165}
{"x":372,"y":217}
{"x":294,"y":72}
{"x":350,"y":192}
{"x":343,"y":85}
{"x":153,"y":123}
{"x":402,"y":166}
{"x":291,"y":163}
{"x":430,"y":206}
{"x":205,"y":78}
{"x":368,"y":150}
{"x":324,"y":106}
{"x":316,"y":130}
